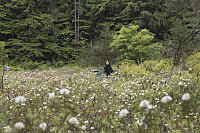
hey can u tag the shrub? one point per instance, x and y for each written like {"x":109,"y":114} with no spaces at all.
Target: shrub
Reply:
{"x":130,"y":69}
{"x":2,"y":51}
{"x":194,"y":64}
{"x":149,"y":66}
{"x":59,"y":64}
{"x":28,"y":65}
{"x":132,"y":44}
{"x":158,"y":66}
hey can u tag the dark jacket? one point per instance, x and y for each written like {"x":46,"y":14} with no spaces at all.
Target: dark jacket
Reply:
{"x":108,"y":69}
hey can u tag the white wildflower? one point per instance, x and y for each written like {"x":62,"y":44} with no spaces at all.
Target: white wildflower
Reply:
{"x":92,"y":128}
{"x":123,"y":113}
{"x":43,"y":126}
{"x":149,"y":106}
{"x":19,"y":125}
{"x":186,"y":96}
{"x":144,"y":103}
{"x":83,"y":127}
{"x":20,"y":99}
{"x":52,"y":95}
{"x":73,"y":121}
{"x":7,"y":129}
{"x":86,"y":122}
{"x":166,"y":99}
{"x":64,"y":91}
{"x":180,"y":83}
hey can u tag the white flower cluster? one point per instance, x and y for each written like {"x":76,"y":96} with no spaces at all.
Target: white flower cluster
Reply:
{"x":73,"y":121}
{"x":7,"y":129}
{"x":123,"y":113}
{"x":83,"y":127}
{"x":166,"y":99}
{"x":20,"y":100}
{"x":19,"y":125}
{"x":43,"y":126}
{"x":180,"y":83}
{"x":145,"y":104}
{"x":92,"y":128}
{"x":64,"y":92}
{"x":52,"y":95}
{"x":186,"y":97}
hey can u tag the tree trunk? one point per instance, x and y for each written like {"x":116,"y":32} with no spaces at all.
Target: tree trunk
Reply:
{"x":52,"y":16}
{"x":75,"y":30}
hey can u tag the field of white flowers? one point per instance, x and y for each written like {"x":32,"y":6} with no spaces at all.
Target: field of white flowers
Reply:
{"x":75,"y":100}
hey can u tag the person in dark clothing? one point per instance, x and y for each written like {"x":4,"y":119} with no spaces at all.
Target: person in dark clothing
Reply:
{"x":107,"y":68}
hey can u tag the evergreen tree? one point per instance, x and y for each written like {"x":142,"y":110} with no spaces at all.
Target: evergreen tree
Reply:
{"x":44,"y":30}
{"x":33,"y":26}
{"x":182,"y":37}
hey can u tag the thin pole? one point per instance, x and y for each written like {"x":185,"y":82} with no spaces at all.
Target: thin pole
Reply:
{"x":52,"y":16}
{"x":79,"y":3}
{"x":2,"y":78}
{"x":75,"y":23}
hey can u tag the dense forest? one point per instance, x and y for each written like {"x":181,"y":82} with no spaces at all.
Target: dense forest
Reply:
{"x":66,"y":31}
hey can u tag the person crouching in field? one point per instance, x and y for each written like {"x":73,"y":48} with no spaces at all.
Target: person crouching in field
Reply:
{"x":107,"y":68}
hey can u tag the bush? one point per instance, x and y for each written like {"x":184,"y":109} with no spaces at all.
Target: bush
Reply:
{"x":59,"y":64}
{"x":31,"y":65}
{"x":149,"y":66}
{"x":2,"y":51}
{"x":132,"y":44}
{"x":159,"y":66}
{"x":130,"y":69}
{"x":194,"y":64}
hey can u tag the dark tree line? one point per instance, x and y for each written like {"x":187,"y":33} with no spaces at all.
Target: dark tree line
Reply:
{"x":41,"y":30}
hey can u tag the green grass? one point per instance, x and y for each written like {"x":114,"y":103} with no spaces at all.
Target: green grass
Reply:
{"x":97,"y":101}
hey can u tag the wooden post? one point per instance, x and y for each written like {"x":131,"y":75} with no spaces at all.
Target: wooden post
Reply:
{"x":2,"y":78}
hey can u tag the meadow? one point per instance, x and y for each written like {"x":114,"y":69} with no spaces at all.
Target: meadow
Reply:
{"x":72,"y":99}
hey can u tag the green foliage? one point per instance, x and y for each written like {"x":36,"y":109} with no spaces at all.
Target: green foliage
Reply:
{"x":146,"y":14}
{"x":96,"y":55}
{"x":59,"y":64}
{"x":36,"y":32}
{"x":44,"y":30}
{"x":148,"y":67}
{"x":130,"y":69}
{"x":2,"y":51}
{"x":132,"y":44}
{"x":159,"y":66}
{"x":194,"y":64}
{"x":92,"y":56}
{"x":182,"y":38}
{"x":29,"y":65}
